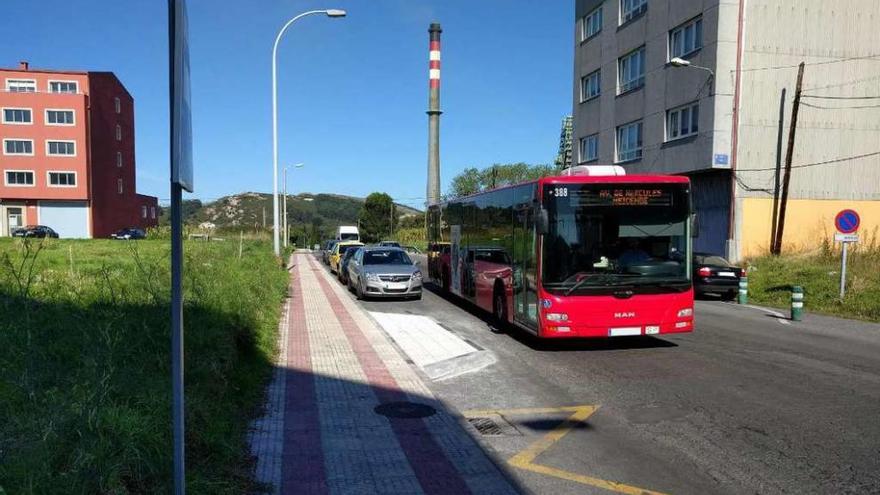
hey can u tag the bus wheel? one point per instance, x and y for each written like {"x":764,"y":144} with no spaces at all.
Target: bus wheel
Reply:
{"x":499,"y":310}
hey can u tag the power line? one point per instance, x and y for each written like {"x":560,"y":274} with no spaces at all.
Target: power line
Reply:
{"x":843,"y":97}
{"x":845,"y":83}
{"x":836,"y":61}
{"x":820,"y":107}
{"x":815,"y":164}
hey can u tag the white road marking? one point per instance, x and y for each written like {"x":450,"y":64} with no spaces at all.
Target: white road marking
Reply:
{"x":781,"y":318}
{"x":437,"y":351}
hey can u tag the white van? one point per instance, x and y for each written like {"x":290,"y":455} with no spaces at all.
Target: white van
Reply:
{"x":347,"y":233}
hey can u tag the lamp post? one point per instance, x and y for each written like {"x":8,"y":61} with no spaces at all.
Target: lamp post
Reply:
{"x":284,"y":210}
{"x":275,"y":232}
{"x":680,"y":62}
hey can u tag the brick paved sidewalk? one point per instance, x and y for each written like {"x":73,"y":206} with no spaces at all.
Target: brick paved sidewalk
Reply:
{"x":321,"y":434}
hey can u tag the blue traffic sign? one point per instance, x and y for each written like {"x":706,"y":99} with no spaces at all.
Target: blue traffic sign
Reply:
{"x":847,"y":221}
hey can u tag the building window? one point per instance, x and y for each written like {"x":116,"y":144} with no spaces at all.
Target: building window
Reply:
{"x":686,"y":38}
{"x":61,"y":148}
{"x":19,"y":178}
{"x":629,"y":142}
{"x":153,"y":212}
{"x":59,"y":117}
{"x":119,"y":186}
{"x":590,"y":86}
{"x":630,"y":9}
{"x":589,"y":148}
{"x":119,"y":159}
{"x":17,"y":116}
{"x":682,"y":121}
{"x":592,"y":24}
{"x":62,"y":179}
{"x":144,"y":211}
{"x":117,"y":104}
{"x":63,"y":87}
{"x":21,"y":85}
{"x":631,"y":71}
{"x":118,"y":133}
{"x":18,"y":147}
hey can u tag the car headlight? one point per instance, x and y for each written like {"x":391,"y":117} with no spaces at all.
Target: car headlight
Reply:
{"x":417,"y":275}
{"x":372,"y":277}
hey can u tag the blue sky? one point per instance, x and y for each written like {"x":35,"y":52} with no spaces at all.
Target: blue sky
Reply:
{"x":352,"y":91}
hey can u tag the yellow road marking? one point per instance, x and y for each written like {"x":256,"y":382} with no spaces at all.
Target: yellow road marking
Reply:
{"x":525,"y":458}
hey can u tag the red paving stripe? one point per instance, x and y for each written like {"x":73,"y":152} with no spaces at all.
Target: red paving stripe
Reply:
{"x":302,"y":466}
{"x":433,"y":469}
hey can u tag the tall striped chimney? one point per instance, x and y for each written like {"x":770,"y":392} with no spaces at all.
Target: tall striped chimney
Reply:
{"x":434,"y":112}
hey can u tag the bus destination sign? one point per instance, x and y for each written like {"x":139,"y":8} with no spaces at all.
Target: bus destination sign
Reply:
{"x":625,"y":197}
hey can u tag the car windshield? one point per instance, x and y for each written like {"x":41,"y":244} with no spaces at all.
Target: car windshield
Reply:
{"x":389,"y":257}
{"x":344,"y":249}
{"x":602,"y":235}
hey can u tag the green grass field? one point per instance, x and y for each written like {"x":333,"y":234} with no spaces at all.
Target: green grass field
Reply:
{"x":85,"y":364}
{"x":771,"y":278}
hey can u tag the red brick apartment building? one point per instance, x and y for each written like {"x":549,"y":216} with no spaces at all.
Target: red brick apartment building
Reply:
{"x":67,"y":155}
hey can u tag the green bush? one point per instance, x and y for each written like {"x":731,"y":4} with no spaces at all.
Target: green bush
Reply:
{"x":85,"y":367}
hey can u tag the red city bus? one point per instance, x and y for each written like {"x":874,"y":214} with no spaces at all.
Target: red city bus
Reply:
{"x":581,"y":255}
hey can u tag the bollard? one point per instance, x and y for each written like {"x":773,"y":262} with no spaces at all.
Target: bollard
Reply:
{"x":743,"y":290}
{"x":797,"y":303}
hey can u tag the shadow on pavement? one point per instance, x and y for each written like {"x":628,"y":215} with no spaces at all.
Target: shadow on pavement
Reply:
{"x":560,"y":345}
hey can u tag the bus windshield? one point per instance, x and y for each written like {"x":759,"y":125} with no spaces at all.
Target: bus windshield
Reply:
{"x":610,"y":237}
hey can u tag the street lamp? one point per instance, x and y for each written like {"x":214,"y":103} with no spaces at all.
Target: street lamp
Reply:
{"x":680,"y":62}
{"x":284,"y":211}
{"x":328,"y":13}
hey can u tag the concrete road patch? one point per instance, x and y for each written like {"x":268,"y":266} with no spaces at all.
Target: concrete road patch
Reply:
{"x":438,"y":352}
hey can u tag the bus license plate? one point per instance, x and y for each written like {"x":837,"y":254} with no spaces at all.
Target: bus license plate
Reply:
{"x":624,"y":331}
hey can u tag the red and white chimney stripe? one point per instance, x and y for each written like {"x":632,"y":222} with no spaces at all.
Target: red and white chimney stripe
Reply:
{"x":434,"y":64}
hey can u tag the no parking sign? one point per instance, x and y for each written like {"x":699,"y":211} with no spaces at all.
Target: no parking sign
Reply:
{"x":847,"y":223}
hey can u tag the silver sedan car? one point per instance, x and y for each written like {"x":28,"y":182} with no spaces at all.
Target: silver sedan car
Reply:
{"x":384,"y":272}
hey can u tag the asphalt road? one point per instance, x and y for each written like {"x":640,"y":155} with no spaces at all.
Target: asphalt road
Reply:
{"x":745,"y":404}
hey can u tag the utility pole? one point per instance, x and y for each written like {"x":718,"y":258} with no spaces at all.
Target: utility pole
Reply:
{"x":778,"y":172}
{"x":391,"y":219}
{"x":777,"y":249}
{"x":264,"y":217}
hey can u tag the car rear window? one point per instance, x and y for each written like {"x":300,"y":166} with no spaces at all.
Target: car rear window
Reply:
{"x":712,"y":260}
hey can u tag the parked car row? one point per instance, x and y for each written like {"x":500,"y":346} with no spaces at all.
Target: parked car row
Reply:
{"x":383,"y":270}
{"x":43,"y":231}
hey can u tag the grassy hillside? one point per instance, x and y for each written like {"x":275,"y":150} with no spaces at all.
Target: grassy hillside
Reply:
{"x":85,"y":366}
{"x":324,"y":211}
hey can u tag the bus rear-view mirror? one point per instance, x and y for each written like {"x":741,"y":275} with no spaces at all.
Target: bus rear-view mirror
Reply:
{"x":695,"y":225}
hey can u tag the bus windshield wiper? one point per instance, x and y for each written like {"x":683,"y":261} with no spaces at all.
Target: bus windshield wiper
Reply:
{"x":606,"y":280}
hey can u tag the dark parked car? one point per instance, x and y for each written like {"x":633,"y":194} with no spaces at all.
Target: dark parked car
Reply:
{"x":35,"y":231}
{"x":129,"y":233}
{"x":342,"y":272}
{"x":714,"y":274}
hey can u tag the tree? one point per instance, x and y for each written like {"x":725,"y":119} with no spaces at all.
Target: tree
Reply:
{"x":375,"y":217}
{"x":472,"y":180}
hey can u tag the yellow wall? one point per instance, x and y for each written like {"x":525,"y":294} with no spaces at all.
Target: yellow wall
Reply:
{"x":807,"y":222}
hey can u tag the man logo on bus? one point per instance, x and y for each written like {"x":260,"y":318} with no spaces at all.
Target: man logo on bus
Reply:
{"x":628,"y":314}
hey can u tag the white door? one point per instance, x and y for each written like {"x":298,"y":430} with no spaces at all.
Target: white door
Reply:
{"x":69,"y":218}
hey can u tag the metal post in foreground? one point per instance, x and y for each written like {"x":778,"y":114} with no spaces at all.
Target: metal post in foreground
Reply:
{"x":275,"y":223}
{"x":181,"y":178}
{"x":843,"y":269}
{"x":797,"y":303}
{"x":743,"y":297}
